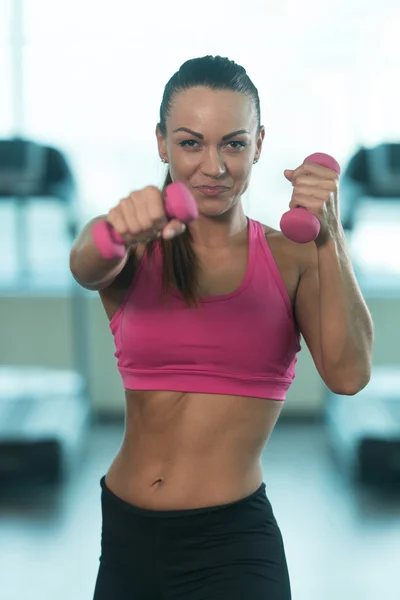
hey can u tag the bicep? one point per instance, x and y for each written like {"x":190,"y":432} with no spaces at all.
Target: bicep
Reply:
{"x":307,"y":313}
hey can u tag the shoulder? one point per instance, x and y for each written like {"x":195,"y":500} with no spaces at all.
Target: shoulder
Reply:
{"x":299,"y":256}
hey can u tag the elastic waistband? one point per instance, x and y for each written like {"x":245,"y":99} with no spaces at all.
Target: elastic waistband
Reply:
{"x":108,"y":495}
{"x":205,"y":382}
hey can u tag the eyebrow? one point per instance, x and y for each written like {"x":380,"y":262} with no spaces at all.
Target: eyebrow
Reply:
{"x":201,"y":136}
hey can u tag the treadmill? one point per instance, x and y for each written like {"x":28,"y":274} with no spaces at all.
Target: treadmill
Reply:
{"x":363,"y":431}
{"x":44,"y":412}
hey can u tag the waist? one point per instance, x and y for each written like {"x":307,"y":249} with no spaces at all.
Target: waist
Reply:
{"x":129,"y":508}
{"x":205,"y":382}
{"x":190,"y":450}
{"x":181,"y":487}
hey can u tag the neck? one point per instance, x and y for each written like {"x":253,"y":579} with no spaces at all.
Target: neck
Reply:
{"x":217,"y":232}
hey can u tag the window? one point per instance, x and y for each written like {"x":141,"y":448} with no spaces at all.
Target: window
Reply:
{"x":93,"y":75}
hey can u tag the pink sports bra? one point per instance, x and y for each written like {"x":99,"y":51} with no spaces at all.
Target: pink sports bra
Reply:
{"x":244,"y":343}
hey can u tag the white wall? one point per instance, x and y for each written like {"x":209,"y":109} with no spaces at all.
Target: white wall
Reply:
{"x":93,"y":74}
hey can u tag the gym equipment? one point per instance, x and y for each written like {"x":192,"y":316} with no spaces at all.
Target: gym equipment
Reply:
{"x":364,"y":430}
{"x":179,"y":204}
{"x":44,"y":412}
{"x":298,"y":224}
{"x":372,"y":173}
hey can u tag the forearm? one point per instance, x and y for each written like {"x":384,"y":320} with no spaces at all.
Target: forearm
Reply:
{"x":87,"y":265}
{"x":345,"y":321}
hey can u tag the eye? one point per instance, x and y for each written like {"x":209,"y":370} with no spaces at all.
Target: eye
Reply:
{"x":188,"y":143}
{"x":236,"y":145}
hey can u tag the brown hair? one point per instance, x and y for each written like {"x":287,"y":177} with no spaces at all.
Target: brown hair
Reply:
{"x":180,"y":266}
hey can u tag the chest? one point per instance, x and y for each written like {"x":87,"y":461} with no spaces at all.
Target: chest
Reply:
{"x":222,"y":272}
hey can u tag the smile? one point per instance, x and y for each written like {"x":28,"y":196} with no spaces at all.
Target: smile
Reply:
{"x":212,"y":190}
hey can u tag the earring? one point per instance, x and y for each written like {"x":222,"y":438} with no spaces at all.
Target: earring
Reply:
{"x":255,"y":161}
{"x":164,"y":161}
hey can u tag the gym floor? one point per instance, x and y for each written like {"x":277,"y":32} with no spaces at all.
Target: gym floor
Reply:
{"x":341,"y":543}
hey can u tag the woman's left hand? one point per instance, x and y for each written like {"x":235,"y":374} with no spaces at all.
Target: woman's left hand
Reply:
{"x":316,"y":188}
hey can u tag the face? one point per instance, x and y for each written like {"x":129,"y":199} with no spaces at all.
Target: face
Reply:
{"x":211,"y":142}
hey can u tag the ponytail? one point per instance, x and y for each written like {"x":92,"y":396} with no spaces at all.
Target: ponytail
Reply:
{"x":180,"y":267}
{"x":179,"y":263}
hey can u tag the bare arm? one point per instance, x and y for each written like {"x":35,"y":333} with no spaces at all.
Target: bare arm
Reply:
{"x":87,"y":265}
{"x":137,"y":218}
{"x":330,"y":309}
{"x":334,"y":319}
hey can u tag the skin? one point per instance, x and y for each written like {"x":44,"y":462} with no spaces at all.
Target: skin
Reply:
{"x":213,"y":161}
{"x":188,"y":450}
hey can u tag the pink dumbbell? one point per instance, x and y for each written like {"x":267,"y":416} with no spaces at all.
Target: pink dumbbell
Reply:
{"x":179,"y":204}
{"x":298,"y":224}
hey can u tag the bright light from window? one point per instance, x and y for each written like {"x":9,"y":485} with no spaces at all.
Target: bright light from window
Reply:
{"x":94,"y":75}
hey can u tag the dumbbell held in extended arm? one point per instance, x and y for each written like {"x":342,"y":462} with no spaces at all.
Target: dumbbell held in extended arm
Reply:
{"x":179,"y":204}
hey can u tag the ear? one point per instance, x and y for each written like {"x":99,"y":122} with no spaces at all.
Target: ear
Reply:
{"x":259,"y":142}
{"x":161,"y":142}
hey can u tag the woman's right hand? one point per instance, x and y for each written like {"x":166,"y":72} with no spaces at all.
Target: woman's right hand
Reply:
{"x":141,"y":217}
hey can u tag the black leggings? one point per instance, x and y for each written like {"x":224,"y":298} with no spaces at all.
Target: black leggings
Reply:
{"x":229,"y":552}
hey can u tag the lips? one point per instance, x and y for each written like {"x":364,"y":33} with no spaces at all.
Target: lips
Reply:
{"x":212,"y":190}
{"x":212,"y":187}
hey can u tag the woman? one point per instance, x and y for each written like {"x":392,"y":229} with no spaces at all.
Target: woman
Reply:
{"x":207,"y":321}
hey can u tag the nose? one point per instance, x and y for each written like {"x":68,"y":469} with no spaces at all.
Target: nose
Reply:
{"x":213,"y":164}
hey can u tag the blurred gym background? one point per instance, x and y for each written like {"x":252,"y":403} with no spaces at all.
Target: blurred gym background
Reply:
{"x":80,"y":88}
